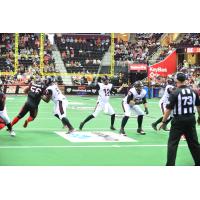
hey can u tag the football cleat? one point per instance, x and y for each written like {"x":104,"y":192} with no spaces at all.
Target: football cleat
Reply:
{"x":122,"y":132}
{"x":70,"y":131}
{"x":154,"y":126}
{"x":81,"y":126}
{"x":25,"y":124}
{"x":140,"y":131}
{"x":113,"y":128}
{"x":12,"y":133}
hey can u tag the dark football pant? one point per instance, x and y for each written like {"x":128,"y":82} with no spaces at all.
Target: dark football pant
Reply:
{"x":28,"y":108}
{"x":183,"y":125}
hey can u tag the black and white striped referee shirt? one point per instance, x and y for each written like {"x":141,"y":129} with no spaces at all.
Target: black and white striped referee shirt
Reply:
{"x":183,"y":101}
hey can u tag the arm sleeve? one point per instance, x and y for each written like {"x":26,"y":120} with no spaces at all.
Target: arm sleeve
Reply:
{"x":169,"y":90}
{"x":97,"y":87}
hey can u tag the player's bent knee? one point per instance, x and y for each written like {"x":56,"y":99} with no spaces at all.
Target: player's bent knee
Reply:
{"x":95,"y":115}
{"x":19,"y":116}
{"x":127,"y":114}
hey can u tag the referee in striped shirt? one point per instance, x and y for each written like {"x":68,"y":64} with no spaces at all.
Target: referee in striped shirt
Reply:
{"x":182,"y":103}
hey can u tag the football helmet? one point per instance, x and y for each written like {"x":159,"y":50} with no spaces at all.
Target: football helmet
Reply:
{"x":170,"y":81}
{"x":138,"y":86}
{"x":49,"y":80}
{"x":105,"y":79}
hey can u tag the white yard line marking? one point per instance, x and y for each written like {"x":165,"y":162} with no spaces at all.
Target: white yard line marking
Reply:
{"x":85,"y":129}
{"x":89,"y":146}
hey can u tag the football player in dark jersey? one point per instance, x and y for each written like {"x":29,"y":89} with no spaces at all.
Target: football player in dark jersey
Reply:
{"x":35,"y":91}
{"x":4,"y":119}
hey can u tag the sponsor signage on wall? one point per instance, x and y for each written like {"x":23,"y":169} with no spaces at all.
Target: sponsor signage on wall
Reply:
{"x":137,"y":67}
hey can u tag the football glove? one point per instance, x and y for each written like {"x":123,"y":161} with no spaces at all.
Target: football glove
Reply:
{"x":198,"y":120}
{"x":146,"y":111}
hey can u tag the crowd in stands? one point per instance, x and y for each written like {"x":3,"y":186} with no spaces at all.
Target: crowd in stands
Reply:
{"x":137,"y":52}
{"x":7,"y":52}
{"x":82,"y":54}
{"x":188,"y":40}
{"x":29,"y":54}
{"x":82,"y":51}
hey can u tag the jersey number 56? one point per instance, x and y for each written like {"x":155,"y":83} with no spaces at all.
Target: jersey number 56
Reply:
{"x":35,"y":89}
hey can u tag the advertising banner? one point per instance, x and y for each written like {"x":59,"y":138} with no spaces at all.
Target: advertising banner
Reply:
{"x":137,"y":67}
{"x":164,"y":68}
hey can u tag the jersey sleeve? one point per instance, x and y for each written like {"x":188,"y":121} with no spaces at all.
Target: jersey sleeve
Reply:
{"x":169,"y":90}
{"x":197,"y":102}
{"x":129,"y":97}
{"x":48,"y":92}
{"x":113,"y":90}
{"x":97,"y":87}
{"x":172,"y":101}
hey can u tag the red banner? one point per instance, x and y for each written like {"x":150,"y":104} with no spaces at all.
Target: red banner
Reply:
{"x":137,"y":67}
{"x":163,"y":68}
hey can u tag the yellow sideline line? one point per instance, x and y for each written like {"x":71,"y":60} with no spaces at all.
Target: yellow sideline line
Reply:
{"x":16,"y":52}
{"x":42,"y":53}
{"x":112,"y":61}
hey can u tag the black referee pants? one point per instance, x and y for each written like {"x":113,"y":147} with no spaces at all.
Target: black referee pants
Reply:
{"x":183,"y":125}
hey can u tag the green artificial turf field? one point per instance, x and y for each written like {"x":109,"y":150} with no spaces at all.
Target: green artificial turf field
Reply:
{"x":40,"y":145}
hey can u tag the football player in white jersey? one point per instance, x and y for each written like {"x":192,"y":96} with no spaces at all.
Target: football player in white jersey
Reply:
{"x":104,"y":90}
{"x":136,"y":96}
{"x":53,"y":93}
{"x":163,"y":102}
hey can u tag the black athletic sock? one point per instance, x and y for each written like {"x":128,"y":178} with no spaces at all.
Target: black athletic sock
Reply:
{"x":168,"y":120}
{"x":9,"y":126}
{"x":112,"y":120}
{"x":124,"y":121}
{"x":158,"y":121}
{"x":56,"y":115}
{"x":140,"y":119}
{"x":88,"y":119}
{"x":66,"y":122}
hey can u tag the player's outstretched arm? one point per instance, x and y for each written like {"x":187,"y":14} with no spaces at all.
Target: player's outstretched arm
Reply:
{"x":122,"y":86}
{"x":26,"y":89}
{"x":45,"y":98}
{"x":165,"y":117}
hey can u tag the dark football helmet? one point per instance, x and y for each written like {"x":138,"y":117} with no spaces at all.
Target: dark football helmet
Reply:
{"x":105,"y":79}
{"x":170,"y":81}
{"x":37,"y":79}
{"x":49,"y":80}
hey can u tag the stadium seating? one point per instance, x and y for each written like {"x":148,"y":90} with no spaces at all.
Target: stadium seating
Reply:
{"x":82,"y":51}
{"x":6,"y":52}
{"x":29,"y":51}
{"x":188,"y":40}
{"x":137,"y":52}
